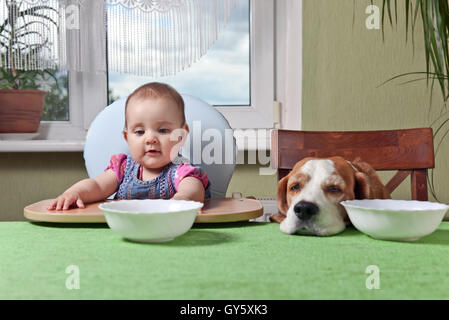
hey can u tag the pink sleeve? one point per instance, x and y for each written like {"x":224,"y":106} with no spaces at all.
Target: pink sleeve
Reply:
{"x":118,"y":165}
{"x":187,"y":170}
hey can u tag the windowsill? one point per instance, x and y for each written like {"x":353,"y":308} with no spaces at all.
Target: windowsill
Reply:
{"x":41,"y":145}
{"x":248,"y":144}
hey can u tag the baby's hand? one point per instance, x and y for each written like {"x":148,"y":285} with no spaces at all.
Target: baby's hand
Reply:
{"x":65,"y":200}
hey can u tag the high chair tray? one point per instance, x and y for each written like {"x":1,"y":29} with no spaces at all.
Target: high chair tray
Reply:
{"x":214,"y":210}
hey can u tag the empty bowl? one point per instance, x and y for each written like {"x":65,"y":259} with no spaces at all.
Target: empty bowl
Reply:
{"x":400,"y":220}
{"x":150,"y":220}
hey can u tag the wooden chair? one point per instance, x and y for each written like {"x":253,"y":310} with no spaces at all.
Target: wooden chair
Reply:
{"x":409,"y":151}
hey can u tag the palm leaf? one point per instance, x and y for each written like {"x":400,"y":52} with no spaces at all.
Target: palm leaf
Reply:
{"x":434,"y":15}
{"x":435,"y":28}
{"x":407,"y":9}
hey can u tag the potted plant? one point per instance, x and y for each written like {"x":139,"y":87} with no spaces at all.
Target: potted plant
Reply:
{"x":21,"y":101}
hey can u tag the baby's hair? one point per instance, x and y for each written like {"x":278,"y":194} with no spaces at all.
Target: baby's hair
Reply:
{"x":157,"y":90}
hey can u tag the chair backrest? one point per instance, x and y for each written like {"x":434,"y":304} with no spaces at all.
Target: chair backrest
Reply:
{"x":409,"y":151}
{"x":213,"y":146}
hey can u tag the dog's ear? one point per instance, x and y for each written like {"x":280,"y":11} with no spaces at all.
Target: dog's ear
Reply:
{"x":367,"y":182}
{"x":362,"y":189}
{"x":281,"y":195}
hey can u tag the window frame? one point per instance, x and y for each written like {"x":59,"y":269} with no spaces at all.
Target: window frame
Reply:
{"x":260,"y":110}
{"x":87,"y":88}
{"x":289,"y":63}
{"x":88,"y":91}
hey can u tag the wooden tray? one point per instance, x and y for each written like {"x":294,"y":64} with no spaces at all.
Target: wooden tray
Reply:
{"x":214,"y":210}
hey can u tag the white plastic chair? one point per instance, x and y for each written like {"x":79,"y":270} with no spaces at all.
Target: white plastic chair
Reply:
{"x":206,"y":124}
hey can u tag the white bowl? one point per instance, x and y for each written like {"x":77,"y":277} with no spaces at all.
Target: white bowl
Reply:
{"x":400,"y":220}
{"x":152,"y":220}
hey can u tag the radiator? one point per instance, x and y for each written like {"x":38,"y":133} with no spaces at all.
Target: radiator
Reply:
{"x":270,"y":206}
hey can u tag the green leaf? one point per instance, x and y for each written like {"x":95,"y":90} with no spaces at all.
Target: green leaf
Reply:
{"x":407,"y":8}
{"x":435,"y":30}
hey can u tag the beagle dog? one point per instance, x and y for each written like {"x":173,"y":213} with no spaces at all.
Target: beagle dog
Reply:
{"x":309,"y":196}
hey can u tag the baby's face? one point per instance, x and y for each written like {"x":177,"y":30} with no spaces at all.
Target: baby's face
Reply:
{"x":152,"y":131}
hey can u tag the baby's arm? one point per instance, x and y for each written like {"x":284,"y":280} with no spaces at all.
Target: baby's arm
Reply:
{"x":87,"y":190}
{"x":190,"y":188}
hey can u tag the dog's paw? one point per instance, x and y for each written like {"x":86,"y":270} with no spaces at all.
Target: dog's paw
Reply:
{"x":277,"y":217}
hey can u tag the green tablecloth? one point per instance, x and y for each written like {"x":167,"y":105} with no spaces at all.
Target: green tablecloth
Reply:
{"x":221,"y":261}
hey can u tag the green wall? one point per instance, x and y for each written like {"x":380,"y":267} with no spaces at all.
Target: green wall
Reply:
{"x":343,"y":65}
{"x":26,"y":178}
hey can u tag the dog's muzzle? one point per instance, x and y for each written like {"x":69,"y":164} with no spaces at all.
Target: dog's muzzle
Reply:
{"x":305,"y":210}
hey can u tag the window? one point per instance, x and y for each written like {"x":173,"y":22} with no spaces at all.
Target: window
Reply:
{"x":86,"y":89}
{"x":28,"y":34}
{"x":225,"y":65}
{"x":40,"y":34}
{"x":56,"y":104}
{"x":260,"y":113}
{"x":248,"y":104}
{"x":236,"y":74}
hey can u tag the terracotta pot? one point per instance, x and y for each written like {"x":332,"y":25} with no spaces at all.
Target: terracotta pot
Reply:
{"x":20,"y":110}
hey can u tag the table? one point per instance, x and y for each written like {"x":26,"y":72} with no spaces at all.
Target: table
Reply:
{"x":240,"y":260}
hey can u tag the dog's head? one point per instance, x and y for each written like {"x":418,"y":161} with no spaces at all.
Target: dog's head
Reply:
{"x":311,"y":193}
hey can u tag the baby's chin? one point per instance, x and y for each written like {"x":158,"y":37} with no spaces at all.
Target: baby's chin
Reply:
{"x":154,"y":162}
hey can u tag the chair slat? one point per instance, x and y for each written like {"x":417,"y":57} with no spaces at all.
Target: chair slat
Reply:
{"x":410,"y":151}
{"x":419,"y":185}
{"x":383,"y":150}
{"x":397,"y":179}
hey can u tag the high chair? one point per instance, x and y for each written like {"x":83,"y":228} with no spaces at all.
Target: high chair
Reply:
{"x":206,"y":124}
{"x":210,"y":134}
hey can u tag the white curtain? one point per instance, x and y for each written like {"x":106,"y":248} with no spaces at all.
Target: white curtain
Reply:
{"x":53,"y":34}
{"x":145,"y":37}
{"x":162,"y":37}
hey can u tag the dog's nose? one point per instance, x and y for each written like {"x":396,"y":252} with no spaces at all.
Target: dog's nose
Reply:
{"x":305,"y":210}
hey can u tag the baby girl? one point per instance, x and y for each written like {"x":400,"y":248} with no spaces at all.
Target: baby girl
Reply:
{"x":155,"y":128}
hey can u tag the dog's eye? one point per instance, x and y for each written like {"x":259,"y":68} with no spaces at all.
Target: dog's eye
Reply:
{"x":333,"y":190}
{"x":295,"y":188}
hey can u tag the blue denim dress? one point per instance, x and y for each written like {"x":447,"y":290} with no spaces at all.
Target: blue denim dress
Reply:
{"x":161,"y":187}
